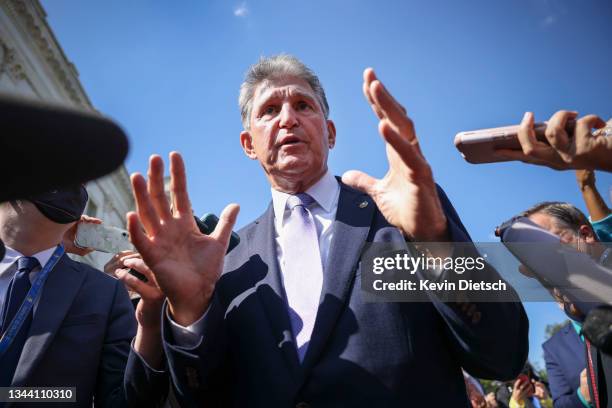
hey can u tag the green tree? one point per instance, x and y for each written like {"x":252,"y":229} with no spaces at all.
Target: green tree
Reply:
{"x":551,"y":329}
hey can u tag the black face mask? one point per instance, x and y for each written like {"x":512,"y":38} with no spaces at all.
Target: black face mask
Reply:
{"x":62,"y":206}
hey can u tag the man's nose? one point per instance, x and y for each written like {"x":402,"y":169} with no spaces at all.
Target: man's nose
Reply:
{"x":288,"y":117}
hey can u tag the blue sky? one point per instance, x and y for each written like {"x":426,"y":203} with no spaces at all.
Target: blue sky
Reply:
{"x":170,"y":75}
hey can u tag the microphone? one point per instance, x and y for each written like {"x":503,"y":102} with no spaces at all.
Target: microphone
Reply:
{"x":597,"y":327}
{"x":47,"y":146}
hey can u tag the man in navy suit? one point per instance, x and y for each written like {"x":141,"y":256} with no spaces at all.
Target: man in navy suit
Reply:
{"x":565,"y":359}
{"x":282,"y":320}
{"x":78,"y":331}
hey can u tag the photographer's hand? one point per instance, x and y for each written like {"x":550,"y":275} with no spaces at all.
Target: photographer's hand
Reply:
{"x":70,"y":236}
{"x":585,"y":150}
{"x":148,"y":340}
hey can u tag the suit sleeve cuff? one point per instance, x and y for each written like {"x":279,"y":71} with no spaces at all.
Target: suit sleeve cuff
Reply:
{"x":143,"y":362}
{"x":187,"y":336}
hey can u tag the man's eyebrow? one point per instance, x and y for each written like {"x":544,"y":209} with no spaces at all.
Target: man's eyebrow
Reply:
{"x":292,"y":93}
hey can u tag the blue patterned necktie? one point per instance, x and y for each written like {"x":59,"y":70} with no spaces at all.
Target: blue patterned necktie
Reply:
{"x":303,"y":269}
{"x":15,"y":295}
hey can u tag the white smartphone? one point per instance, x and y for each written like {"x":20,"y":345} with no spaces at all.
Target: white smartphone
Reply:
{"x":103,"y":238}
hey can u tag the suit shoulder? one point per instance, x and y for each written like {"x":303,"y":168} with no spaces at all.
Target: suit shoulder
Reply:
{"x":242,"y":232}
{"x":93,"y":273}
{"x":556,"y":338}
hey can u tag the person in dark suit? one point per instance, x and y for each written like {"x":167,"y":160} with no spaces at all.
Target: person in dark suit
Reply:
{"x":282,"y":320}
{"x":565,"y":359}
{"x":77,"y":331}
{"x":593,"y":384}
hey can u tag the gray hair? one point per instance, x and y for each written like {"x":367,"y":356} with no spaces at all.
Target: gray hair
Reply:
{"x":565,"y":215}
{"x":275,"y":67}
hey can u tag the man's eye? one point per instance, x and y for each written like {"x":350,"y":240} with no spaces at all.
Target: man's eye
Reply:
{"x":303,"y":105}
{"x":269,"y":110}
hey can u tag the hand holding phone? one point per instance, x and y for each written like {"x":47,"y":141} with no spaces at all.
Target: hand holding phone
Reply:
{"x":483,"y":146}
{"x":103,"y":238}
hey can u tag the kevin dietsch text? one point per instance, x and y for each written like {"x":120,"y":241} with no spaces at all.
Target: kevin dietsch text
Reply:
{"x":425,"y":284}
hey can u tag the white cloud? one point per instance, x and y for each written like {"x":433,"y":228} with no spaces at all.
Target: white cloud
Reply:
{"x":241,"y":10}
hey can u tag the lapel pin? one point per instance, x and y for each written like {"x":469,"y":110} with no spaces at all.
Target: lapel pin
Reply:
{"x":363,"y":204}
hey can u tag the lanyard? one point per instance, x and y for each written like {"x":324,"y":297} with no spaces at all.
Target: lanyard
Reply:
{"x":28,"y":303}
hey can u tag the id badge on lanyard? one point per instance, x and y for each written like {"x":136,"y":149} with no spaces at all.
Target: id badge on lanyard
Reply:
{"x":30,"y":299}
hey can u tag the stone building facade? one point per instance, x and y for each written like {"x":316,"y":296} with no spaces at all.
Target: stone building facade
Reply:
{"x":33,"y":64}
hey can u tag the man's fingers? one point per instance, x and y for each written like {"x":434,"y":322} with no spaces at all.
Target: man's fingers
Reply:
{"x":144,"y":208}
{"x":133,"y":283}
{"x":526,"y":134}
{"x":555,"y":131}
{"x":407,"y":150}
{"x":178,"y":184}
{"x":224,"y":227}
{"x":140,"y":266}
{"x":368,"y":77}
{"x":90,"y":220}
{"x":156,"y":187}
{"x":359,"y":181}
{"x":392,"y":110}
{"x":586,"y":124}
{"x":123,"y":255}
{"x":137,"y":235}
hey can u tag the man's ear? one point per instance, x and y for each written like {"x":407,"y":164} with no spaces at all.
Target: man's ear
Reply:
{"x":246,"y":141}
{"x":331,"y":134}
{"x":586,"y":233}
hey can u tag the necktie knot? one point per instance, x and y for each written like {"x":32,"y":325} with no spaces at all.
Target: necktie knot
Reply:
{"x":25,"y":264}
{"x":301,"y":199}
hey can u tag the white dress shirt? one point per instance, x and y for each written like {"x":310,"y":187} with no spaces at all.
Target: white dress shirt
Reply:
{"x":326,"y":193}
{"x":8,"y":269}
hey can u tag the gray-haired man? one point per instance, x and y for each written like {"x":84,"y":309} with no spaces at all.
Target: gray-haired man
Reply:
{"x":282,"y":321}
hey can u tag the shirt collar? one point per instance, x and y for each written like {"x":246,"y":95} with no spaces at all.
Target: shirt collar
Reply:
{"x":12,"y":255}
{"x":323,"y":191}
{"x":578,"y":327}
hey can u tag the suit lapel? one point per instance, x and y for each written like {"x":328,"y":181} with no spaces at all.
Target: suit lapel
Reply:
{"x":59,"y":290}
{"x":262,"y":242}
{"x":350,"y":230}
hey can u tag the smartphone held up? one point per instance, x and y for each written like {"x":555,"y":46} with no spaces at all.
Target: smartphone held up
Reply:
{"x":481,"y":146}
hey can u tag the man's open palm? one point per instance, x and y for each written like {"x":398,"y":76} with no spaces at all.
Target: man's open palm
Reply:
{"x":407,"y":195}
{"x":185,"y":262}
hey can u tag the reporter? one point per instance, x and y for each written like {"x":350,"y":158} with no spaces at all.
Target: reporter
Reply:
{"x":573,"y":228}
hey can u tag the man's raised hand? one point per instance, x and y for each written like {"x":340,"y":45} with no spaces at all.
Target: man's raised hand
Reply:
{"x":185,"y":262}
{"x":407,"y":195}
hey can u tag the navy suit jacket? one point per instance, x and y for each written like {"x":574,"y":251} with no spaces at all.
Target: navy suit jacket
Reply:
{"x":360,"y":353}
{"x":565,"y":358}
{"x":80,"y":337}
